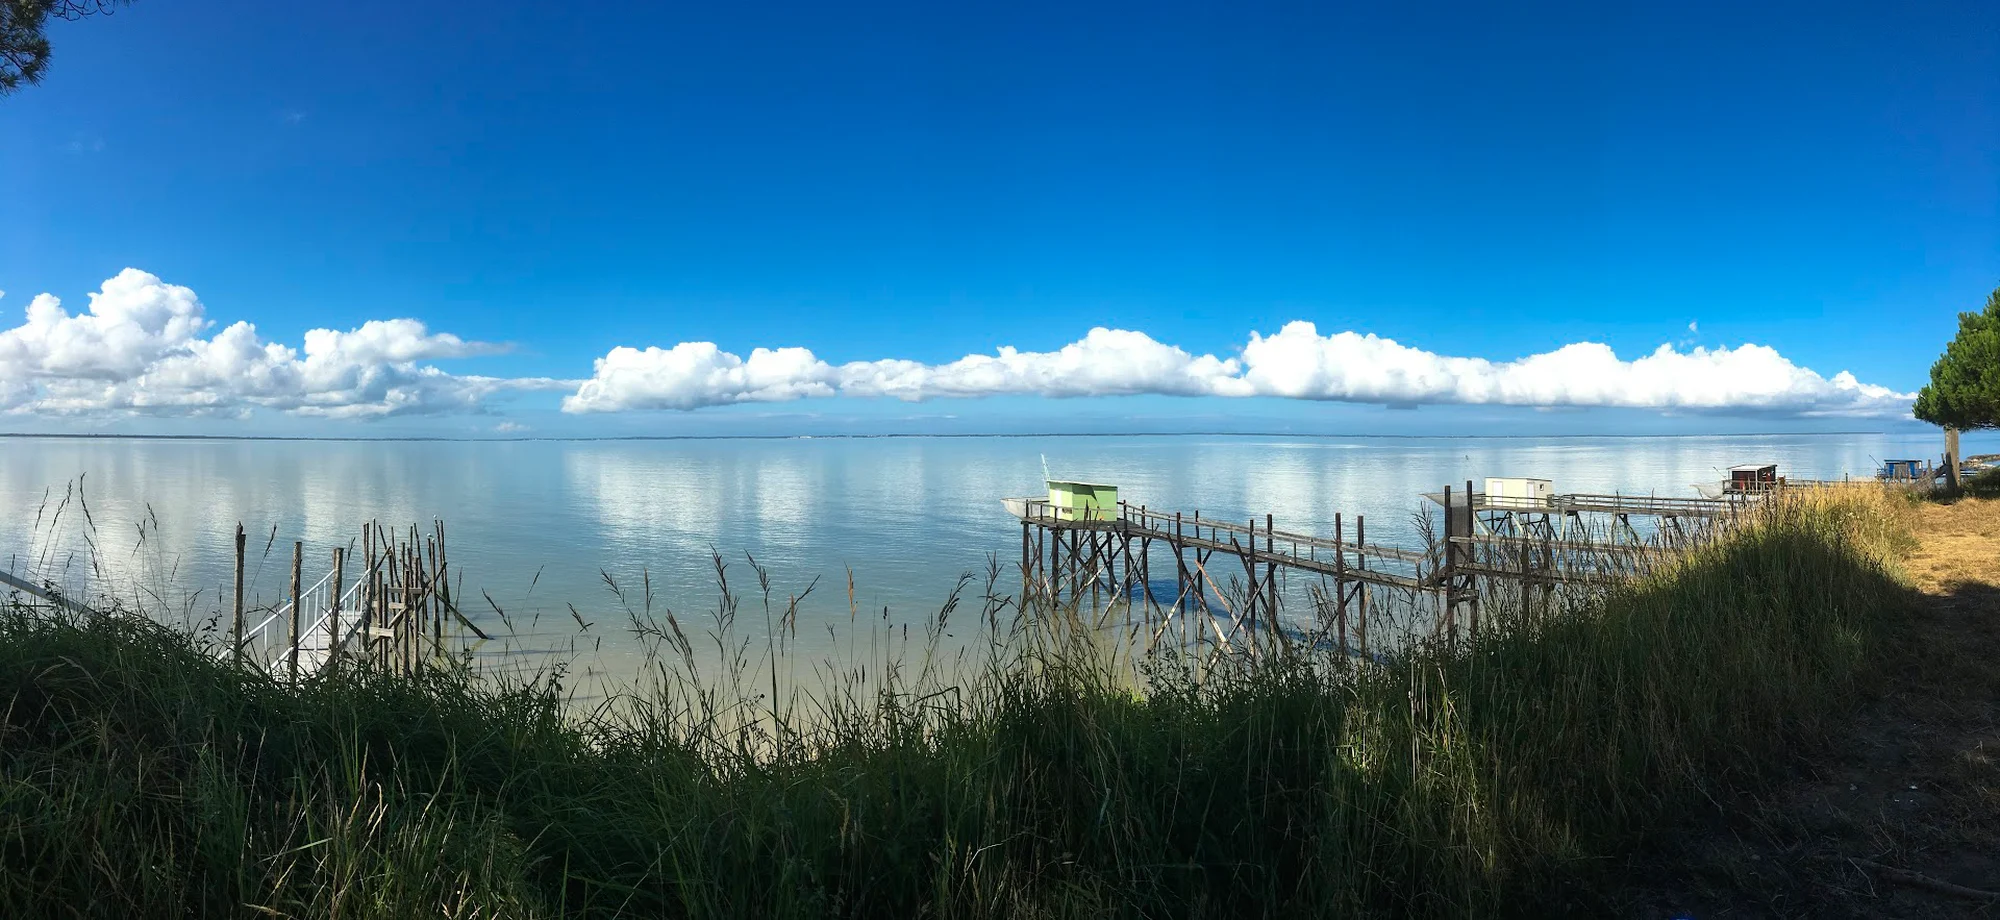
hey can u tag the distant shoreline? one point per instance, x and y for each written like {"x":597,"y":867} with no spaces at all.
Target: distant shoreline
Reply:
{"x":916,"y":435}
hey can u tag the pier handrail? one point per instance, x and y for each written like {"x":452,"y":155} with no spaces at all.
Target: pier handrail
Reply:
{"x":8,"y":579}
{"x":1615,"y":503}
{"x":254,"y":632}
{"x":1133,"y":519}
{"x":1566,"y":546}
{"x":346,"y":603}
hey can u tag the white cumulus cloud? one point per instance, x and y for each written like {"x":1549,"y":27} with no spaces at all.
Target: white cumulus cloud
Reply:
{"x":1300,"y":363}
{"x":144,"y":346}
{"x":1106,"y":362}
{"x":696,"y":374}
{"x":1297,"y":362}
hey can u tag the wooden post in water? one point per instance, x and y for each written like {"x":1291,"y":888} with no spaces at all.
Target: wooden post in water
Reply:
{"x":399,"y":629}
{"x":1340,"y":580}
{"x":1044,"y":586}
{"x":292,"y":647}
{"x":1361,"y":587}
{"x":1055,"y":563}
{"x":419,"y":609}
{"x":1125,"y":549}
{"x":1026,"y":569}
{"x":1146,"y":573}
{"x":436,"y":598}
{"x":1251,"y":589}
{"x":392,"y":623}
{"x":1271,"y":577}
{"x":1200,"y":573}
{"x":1065,"y":560}
{"x":1146,"y":560}
{"x":1180,"y":569}
{"x":420,"y":605}
{"x":413,"y":599}
{"x":332,"y":661}
{"x":378,"y":583}
{"x":1471,"y":583}
{"x":385,"y":584}
{"x":1450,"y":574}
{"x":1525,"y":589}
{"x":395,"y":620}
{"x":1094,"y":564}
{"x":444,"y":592}
{"x":236,"y":630}
{"x":368,"y":580}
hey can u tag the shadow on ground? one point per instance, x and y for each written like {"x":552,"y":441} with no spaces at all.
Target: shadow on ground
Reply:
{"x":1897,"y":816}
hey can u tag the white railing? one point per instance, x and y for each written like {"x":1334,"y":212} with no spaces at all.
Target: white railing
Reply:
{"x":317,"y":645}
{"x":271,"y":645}
{"x":271,"y":637}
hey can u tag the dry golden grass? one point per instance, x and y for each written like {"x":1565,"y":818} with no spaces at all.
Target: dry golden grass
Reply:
{"x":1957,"y":545}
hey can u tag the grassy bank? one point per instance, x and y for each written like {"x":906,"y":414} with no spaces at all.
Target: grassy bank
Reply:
{"x":138,"y":776}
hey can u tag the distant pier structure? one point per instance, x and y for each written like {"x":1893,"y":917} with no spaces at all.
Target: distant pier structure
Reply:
{"x":1515,"y":539}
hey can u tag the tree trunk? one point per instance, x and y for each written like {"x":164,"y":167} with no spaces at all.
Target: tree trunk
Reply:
{"x":1951,"y":459}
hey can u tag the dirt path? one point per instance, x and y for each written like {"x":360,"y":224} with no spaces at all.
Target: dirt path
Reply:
{"x":1900,"y":816}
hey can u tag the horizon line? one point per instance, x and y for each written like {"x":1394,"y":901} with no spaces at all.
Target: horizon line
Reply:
{"x":905,"y":435}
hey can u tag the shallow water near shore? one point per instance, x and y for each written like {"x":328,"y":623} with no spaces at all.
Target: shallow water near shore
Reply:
{"x":539,"y":525}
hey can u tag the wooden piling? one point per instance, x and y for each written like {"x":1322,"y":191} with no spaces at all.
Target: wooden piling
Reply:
{"x":1526,"y":582}
{"x":236,"y":629}
{"x":1361,"y":587}
{"x":1472,"y":580}
{"x":368,"y":583}
{"x":1450,"y":573}
{"x":332,"y":662}
{"x":1271,"y":577}
{"x":292,"y":630}
{"x":1340,"y":581}
{"x":1252,"y":590}
{"x":1027,"y":570}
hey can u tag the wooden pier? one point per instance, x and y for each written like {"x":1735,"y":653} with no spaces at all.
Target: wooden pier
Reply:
{"x":1063,"y":557}
{"x":1527,"y":547}
{"x":395,"y":613}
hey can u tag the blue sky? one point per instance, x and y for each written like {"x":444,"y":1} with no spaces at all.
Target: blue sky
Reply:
{"x":921,"y":183}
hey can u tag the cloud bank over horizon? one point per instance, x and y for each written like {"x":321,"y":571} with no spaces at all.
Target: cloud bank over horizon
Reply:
{"x":146,"y":347}
{"x":1295,"y":363}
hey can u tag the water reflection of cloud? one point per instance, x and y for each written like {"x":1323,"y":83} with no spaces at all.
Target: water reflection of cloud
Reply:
{"x":908,"y":515}
{"x":190,"y":495}
{"x":650,"y":498}
{"x":787,"y":494}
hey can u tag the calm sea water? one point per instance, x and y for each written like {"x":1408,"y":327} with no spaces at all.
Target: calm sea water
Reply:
{"x":538,"y":525}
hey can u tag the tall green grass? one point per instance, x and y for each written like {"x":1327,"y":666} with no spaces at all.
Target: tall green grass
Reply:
{"x":141,"y":776}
